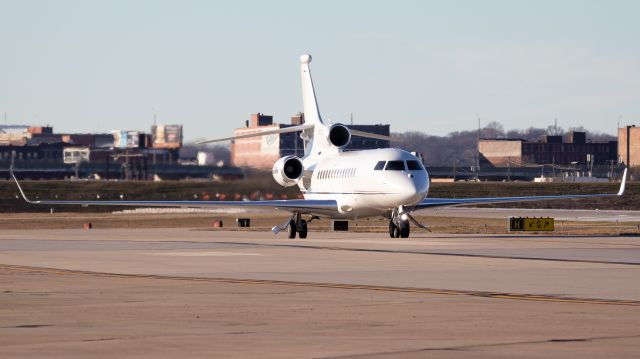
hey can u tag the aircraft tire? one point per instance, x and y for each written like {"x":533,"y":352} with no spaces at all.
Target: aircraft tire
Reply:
{"x":404,"y":229}
{"x":302,"y":231}
{"x":392,"y":229}
{"x":292,"y":229}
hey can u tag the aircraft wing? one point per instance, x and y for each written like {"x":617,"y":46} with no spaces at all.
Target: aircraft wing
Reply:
{"x":442,"y":202}
{"x":304,"y":206}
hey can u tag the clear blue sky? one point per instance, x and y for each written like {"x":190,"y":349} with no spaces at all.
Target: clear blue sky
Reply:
{"x":423,"y":65}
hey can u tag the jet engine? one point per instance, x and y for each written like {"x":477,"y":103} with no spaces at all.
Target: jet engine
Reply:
{"x":287,"y":170}
{"x":339,"y":135}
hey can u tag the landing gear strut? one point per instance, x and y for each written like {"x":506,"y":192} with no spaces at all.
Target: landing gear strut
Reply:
{"x":399,"y":224}
{"x":297,"y":225}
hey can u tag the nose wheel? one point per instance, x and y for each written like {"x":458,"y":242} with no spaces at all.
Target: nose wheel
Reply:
{"x":401,"y":230}
{"x":399,"y":225}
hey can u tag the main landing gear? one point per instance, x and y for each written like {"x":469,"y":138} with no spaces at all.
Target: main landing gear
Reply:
{"x":297,"y":225}
{"x":294,"y":225}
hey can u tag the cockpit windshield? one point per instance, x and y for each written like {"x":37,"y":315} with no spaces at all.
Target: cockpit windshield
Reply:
{"x":394,"y":166}
{"x":411,"y":165}
{"x":414,"y":166}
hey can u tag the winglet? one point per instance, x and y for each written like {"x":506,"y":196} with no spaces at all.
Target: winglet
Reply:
{"x":623,"y":183}
{"x":21,"y":191}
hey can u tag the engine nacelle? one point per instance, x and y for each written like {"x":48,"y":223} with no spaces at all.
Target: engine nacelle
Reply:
{"x":287,"y":170}
{"x":339,"y":135}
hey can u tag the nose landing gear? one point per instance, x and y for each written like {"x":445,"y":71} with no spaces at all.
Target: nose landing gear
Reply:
{"x":399,"y":224}
{"x":401,"y":230}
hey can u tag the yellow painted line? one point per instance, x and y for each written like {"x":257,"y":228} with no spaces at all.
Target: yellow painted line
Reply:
{"x":435,"y":291}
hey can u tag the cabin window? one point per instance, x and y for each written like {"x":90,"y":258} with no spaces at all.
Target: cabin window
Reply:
{"x":379,"y":166}
{"x":414,"y":166}
{"x":395,"y":166}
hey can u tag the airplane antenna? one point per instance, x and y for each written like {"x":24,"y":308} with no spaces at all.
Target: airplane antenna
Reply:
{"x":154,"y":115}
{"x":351,"y":118}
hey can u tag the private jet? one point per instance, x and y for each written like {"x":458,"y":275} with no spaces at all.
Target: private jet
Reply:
{"x":338,"y":184}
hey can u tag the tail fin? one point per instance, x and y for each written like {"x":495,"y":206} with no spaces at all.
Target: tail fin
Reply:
{"x":311,"y":111}
{"x":313,"y":143}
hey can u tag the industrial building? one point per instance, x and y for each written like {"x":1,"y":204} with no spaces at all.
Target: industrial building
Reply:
{"x":39,"y":153}
{"x":576,"y":150}
{"x":629,"y":145}
{"x":261,"y":152}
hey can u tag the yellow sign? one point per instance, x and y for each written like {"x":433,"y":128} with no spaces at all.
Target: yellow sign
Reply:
{"x":531,"y":224}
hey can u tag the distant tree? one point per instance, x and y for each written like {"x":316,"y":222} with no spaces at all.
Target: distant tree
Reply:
{"x":533,"y":134}
{"x":553,"y":130}
{"x":493,"y":129}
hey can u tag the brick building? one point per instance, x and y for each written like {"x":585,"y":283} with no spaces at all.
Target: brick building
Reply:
{"x":549,"y":150}
{"x":629,"y":145}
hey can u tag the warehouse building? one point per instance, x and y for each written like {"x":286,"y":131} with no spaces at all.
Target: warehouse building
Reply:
{"x":548,"y":150}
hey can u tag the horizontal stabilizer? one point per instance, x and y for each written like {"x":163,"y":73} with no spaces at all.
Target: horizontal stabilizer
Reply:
{"x":372,"y":135}
{"x":258,"y":134}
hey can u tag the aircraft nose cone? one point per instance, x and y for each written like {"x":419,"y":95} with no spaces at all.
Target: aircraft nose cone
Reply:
{"x":411,"y":190}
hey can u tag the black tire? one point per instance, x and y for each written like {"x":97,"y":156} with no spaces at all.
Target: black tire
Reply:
{"x":404,"y":229}
{"x":292,"y":229}
{"x":396,"y":232}
{"x":392,"y":229}
{"x":302,"y":231}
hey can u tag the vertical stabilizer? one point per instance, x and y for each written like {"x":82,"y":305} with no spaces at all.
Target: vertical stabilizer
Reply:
{"x":313,"y":143}
{"x":311,"y":112}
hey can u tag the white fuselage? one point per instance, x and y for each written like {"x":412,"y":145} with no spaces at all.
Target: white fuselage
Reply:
{"x":367,"y":183}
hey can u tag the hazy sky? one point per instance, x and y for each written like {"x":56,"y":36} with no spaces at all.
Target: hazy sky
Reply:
{"x":424,"y":65}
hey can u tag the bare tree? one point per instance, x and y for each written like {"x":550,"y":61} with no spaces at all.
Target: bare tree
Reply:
{"x":493,"y":129}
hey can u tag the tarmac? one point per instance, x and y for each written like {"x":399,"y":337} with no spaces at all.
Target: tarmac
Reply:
{"x":213,"y":293}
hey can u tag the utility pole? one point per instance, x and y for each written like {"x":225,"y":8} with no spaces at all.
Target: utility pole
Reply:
{"x":477,"y":167}
{"x":618,"y":139}
{"x":454,"y":168}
